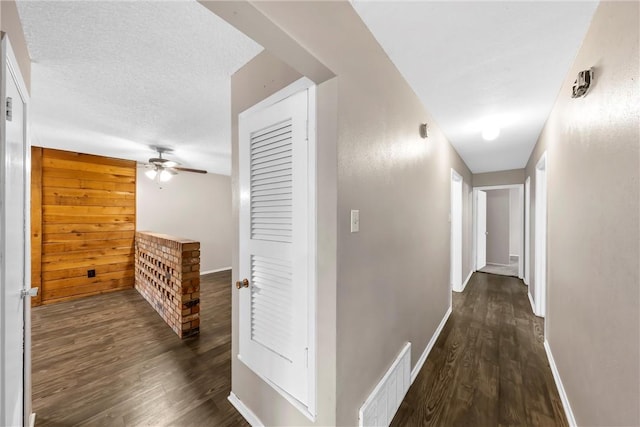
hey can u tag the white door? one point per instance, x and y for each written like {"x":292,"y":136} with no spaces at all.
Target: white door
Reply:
{"x":456,"y":231}
{"x":14,"y":232}
{"x":481,"y":228}
{"x":540,"y":276}
{"x":275,"y":255}
{"x":527,"y":230}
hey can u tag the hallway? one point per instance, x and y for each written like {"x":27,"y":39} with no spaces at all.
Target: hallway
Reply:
{"x":488,"y":366}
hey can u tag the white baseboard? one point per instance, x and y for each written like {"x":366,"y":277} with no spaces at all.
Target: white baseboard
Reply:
{"x":563,"y":395}
{"x":464,"y":284}
{"x":215,"y":271}
{"x":423,"y":358}
{"x":244,"y":411}
{"x":32,"y":419}
{"x":533,"y":307}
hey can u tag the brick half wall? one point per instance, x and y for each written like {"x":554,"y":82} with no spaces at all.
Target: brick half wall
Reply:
{"x":167,"y":275}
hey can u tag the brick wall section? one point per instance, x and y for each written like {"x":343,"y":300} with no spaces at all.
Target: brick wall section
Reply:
{"x":167,"y":275}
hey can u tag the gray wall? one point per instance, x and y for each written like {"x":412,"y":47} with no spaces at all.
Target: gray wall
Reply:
{"x":515,"y":176}
{"x":397,"y":180}
{"x":593,"y":149}
{"x":11,"y":25}
{"x":516,"y":222}
{"x":498,"y":227}
{"x":194,"y":206}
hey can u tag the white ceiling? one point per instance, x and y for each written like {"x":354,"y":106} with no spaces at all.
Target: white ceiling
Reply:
{"x":113,"y":78}
{"x":473,"y":62}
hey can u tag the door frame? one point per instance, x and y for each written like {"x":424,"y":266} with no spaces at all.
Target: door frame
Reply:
{"x":304,"y":83}
{"x":520,"y":188}
{"x":527,"y":231}
{"x":540,"y":242}
{"x":455,"y":278}
{"x":9,"y":62}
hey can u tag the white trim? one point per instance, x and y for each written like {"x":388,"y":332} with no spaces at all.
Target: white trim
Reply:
{"x":540,"y":243}
{"x":244,"y":410}
{"x":298,"y":86}
{"x":561,"y":391}
{"x":527,"y":231}
{"x":466,"y":281}
{"x":32,"y":420}
{"x":215,"y":271}
{"x":423,"y":358}
{"x":498,"y":187}
{"x":514,"y":256}
{"x":533,"y":306}
{"x":455,"y":226}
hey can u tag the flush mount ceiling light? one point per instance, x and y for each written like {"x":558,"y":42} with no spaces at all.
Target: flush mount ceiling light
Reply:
{"x":490,"y":132}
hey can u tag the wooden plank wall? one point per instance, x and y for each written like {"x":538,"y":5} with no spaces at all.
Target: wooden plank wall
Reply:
{"x":88,"y":219}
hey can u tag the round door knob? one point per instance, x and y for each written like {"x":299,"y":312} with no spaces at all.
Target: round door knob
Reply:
{"x":242,"y":283}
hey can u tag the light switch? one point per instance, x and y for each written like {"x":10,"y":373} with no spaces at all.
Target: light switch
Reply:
{"x":355,"y":221}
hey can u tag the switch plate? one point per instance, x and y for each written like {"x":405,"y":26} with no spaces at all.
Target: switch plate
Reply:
{"x":355,"y":221}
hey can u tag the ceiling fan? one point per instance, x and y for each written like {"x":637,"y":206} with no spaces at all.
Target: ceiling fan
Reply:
{"x":162,"y":170}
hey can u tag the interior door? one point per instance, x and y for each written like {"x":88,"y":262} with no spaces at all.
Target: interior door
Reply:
{"x":481,"y":238}
{"x":274,"y":248}
{"x":14,"y":232}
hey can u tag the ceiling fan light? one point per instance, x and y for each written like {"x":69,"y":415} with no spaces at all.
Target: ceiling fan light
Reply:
{"x":165,"y":176}
{"x":151,"y":173}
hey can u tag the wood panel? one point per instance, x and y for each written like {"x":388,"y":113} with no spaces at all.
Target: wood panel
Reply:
{"x":87,"y":216}
{"x":36,"y":223}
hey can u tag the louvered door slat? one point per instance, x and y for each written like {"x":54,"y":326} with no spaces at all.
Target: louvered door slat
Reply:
{"x":271,"y":151}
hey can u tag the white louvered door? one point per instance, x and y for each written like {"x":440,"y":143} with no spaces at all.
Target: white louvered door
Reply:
{"x":274,"y":248}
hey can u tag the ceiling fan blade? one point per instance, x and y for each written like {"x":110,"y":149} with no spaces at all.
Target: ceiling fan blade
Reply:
{"x":189,"y":170}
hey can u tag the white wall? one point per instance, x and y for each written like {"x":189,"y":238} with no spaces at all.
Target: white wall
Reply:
{"x":194,"y":206}
{"x":515,"y":234}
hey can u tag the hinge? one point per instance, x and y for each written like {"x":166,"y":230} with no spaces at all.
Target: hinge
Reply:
{"x":29,"y":292}
{"x":9,"y":109}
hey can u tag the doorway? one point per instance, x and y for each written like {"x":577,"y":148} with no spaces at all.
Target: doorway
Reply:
{"x":15,"y":394}
{"x":540,"y":276}
{"x":456,"y":231}
{"x":499,"y":229}
{"x":527,"y":231}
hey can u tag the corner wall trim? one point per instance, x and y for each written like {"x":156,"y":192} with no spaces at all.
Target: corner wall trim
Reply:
{"x":246,"y":413}
{"x":563,"y":394}
{"x":533,"y":307}
{"x":215,"y":271}
{"x":423,"y":358}
{"x":464,"y":285}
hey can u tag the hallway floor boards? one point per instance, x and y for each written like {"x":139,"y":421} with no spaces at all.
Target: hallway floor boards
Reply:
{"x":488,"y":366}
{"x":110,"y":360}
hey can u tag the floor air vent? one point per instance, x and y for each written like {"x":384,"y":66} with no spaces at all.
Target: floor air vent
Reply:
{"x":384,"y":401}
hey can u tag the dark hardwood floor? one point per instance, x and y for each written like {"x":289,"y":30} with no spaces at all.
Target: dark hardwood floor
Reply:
{"x":488,"y":366}
{"x":110,"y":360}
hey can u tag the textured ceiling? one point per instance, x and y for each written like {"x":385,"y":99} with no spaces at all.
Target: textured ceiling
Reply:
{"x":113,"y":78}
{"x":476,"y":62}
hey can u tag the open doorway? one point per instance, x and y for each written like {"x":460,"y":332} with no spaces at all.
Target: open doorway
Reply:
{"x":499,"y":229}
{"x":540,"y":275}
{"x":456,"y":231}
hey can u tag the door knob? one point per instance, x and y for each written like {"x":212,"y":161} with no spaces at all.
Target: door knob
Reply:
{"x":242,"y":283}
